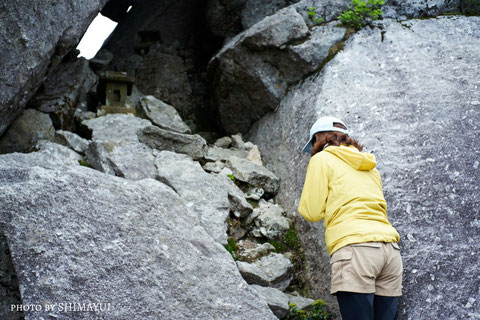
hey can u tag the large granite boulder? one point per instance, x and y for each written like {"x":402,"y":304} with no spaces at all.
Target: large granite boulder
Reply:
{"x":409,"y":91}
{"x":78,"y":236}
{"x":34,"y":37}
{"x":253,"y":72}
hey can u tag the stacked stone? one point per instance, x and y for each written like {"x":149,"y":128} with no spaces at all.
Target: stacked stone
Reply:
{"x":267,"y":271}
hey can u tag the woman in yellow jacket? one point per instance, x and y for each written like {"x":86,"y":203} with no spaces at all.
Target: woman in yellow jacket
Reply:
{"x":343,"y":187}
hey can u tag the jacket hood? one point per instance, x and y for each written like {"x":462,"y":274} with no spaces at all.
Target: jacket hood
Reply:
{"x":363,"y":161}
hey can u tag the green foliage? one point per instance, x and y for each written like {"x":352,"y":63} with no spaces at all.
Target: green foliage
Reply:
{"x":312,"y":15}
{"x":318,"y":312}
{"x":289,"y":242}
{"x":291,"y":239}
{"x":231,"y":177}
{"x":84,"y":163}
{"x":361,"y":12}
{"x":231,"y":247}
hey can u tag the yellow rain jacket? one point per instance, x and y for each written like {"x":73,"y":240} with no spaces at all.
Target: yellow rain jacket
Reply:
{"x":343,"y":187}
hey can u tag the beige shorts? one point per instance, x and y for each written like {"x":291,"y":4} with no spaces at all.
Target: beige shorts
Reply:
{"x":369,"y":267}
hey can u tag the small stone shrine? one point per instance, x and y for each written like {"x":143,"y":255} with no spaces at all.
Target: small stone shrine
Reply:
{"x":113,"y":89}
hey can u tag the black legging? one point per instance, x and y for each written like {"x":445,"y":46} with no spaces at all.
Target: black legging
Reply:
{"x":367,"y":306}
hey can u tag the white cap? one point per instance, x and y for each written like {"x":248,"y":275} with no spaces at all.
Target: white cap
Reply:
{"x":321,"y":125}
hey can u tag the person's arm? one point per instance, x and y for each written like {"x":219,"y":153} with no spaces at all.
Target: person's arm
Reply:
{"x":315,"y":191}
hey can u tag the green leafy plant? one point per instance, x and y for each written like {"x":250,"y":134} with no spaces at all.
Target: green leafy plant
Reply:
{"x":231,"y":247}
{"x":231,"y":177}
{"x":360,"y":13}
{"x":318,"y":312}
{"x":312,"y":15}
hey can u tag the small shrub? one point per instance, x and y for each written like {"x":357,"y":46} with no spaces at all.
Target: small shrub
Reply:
{"x":360,"y":13}
{"x":312,"y":15}
{"x":318,"y":312}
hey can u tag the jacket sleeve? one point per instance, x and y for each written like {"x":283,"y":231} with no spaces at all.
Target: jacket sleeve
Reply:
{"x":315,"y":191}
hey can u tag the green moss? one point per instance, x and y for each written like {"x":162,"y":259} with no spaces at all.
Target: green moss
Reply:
{"x":291,"y":239}
{"x":84,"y":163}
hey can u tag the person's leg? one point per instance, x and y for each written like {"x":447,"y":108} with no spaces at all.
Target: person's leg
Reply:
{"x":386,"y":308}
{"x":355,"y":306}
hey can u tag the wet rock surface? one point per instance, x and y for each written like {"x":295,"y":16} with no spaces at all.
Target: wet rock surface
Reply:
{"x":417,"y":85}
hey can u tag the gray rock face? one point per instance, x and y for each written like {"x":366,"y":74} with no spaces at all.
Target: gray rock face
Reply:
{"x":193,"y":145}
{"x":228,"y":18}
{"x":238,"y":203}
{"x":203,"y":193}
{"x":165,"y":76}
{"x":28,"y":129}
{"x":220,"y":154}
{"x":63,"y":91}
{"x":251,"y":74}
{"x":273,"y":270}
{"x":129,"y":160}
{"x":250,"y":251}
{"x":115,"y":148}
{"x":162,"y":114}
{"x":71,"y":140}
{"x":48,"y":155}
{"x":257,"y":176}
{"x":413,"y":99}
{"x":276,"y":299}
{"x":107,"y":241}
{"x":33,"y":40}
{"x":415,"y":9}
{"x":328,"y":10}
{"x":223,"y":142}
{"x":270,"y":221}
{"x":119,"y":128}
{"x":300,"y":302}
